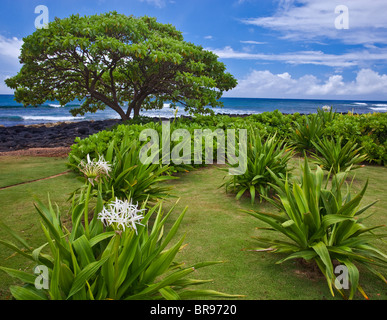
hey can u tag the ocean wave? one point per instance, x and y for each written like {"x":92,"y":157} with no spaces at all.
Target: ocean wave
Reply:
{"x":11,"y":118}
{"x":50,"y":118}
{"x":379,"y":105}
{"x":52,"y":105}
{"x":360,"y":103}
{"x":379,"y":108}
{"x":234,"y":111}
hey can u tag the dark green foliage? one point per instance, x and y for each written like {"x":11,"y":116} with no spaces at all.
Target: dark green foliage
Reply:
{"x":369,"y":131}
{"x":322,"y":223}
{"x":307,"y":131}
{"x":265,"y":158}
{"x":129,"y":177}
{"x":333,"y":154}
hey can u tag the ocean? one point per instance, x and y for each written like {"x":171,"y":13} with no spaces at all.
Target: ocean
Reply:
{"x":13,"y":113}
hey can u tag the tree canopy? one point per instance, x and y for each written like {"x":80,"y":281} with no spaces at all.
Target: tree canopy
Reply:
{"x":119,"y":61}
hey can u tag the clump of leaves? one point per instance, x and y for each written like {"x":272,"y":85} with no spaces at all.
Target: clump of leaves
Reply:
{"x":333,"y":154}
{"x":265,"y":158}
{"x":307,"y":131}
{"x":126,"y":255}
{"x":323,"y":224}
{"x":129,"y":177}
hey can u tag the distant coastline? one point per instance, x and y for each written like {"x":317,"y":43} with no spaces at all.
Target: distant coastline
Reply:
{"x":61,"y":134}
{"x":12,"y":113}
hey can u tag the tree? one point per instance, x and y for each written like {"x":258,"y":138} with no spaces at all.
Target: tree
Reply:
{"x":117,"y":61}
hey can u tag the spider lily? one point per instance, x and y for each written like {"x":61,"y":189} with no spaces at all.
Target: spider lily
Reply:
{"x":94,"y":170}
{"x":121,"y":214}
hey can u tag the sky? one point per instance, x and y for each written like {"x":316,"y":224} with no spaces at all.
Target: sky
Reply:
{"x":306,"y":49}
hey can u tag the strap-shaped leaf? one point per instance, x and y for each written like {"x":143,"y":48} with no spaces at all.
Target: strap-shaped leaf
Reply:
{"x":323,"y":253}
{"x":84,"y":251}
{"x":21,"y":275}
{"x":15,"y":235}
{"x":27,"y":293}
{"x":84,"y":275}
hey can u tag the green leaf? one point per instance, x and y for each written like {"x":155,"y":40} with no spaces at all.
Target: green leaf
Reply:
{"x":55,"y":279}
{"x":15,"y":235}
{"x":169,"y":280}
{"x":27,"y":293}
{"x":288,"y":223}
{"x":323,"y":253}
{"x":169,"y":294}
{"x":15,"y":248}
{"x":84,"y":275}
{"x":21,"y":275}
{"x":84,"y":251}
{"x":100,"y":237}
{"x":353,"y":274}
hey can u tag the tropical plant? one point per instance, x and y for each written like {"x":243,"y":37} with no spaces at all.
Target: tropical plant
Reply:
{"x":326,"y":114}
{"x":127,"y":255}
{"x":129,"y":177}
{"x":324,"y":225}
{"x":265,"y":158}
{"x":112,"y":60}
{"x":307,"y":131}
{"x":333,"y":154}
{"x":369,"y":131}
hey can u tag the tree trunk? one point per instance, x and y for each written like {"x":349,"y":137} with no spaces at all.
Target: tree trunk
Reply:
{"x":135,"y":106}
{"x":136,"y":111}
{"x":110,"y":104}
{"x":122,"y":114}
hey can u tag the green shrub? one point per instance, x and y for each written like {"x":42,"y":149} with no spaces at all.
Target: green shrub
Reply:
{"x":128,"y":176}
{"x":323,"y":224}
{"x":333,"y":155}
{"x":307,"y":131}
{"x":262,"y":155}
{"x":369,"y":131}
{"x":98,"y":143}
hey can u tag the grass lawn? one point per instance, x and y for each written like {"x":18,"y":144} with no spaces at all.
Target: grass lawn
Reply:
{"x":17,"y":207}
{"x":14,"y":170}
{"x":215,"y":229}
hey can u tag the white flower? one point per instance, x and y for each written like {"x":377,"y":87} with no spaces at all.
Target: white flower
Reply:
{"x":122,"y":214}
{"x":93,"y":170}
{"x":326,"y":108}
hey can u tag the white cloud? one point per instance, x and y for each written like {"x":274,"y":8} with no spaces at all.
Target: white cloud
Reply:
{"x":355,"y":58}
{"x":156,"y":3}
{"x":252,"y":42}
{"x":10,"y":48}
{"x":3,"y":87}
{"x":208,"y":37}
{"x":264,"y":84}
{"x":9,"y":60}
{"x":314,"y":20}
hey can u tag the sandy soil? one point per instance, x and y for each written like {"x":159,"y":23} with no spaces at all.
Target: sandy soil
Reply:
{"x":39,"y":152}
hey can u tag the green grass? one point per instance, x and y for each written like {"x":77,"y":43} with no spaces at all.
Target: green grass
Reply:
{"x":14,"y":170}
{"x":215,"y":228}
{"x":17,"y":204}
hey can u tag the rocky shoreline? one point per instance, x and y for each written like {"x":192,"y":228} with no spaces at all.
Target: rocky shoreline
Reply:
{"x":56,"y":135}
{"x":49,"y":135}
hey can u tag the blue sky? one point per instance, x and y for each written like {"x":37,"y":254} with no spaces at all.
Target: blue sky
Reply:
{"x":276,"y":49}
